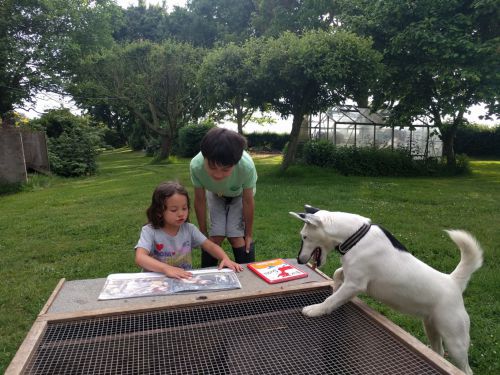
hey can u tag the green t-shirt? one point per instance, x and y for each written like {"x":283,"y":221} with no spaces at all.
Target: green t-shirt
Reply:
{"x":243,"y":176}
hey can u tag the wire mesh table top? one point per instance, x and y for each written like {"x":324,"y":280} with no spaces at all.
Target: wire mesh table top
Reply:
{"x":261,"y":335}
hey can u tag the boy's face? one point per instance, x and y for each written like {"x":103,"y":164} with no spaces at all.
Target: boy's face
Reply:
{"x":218,"y":172}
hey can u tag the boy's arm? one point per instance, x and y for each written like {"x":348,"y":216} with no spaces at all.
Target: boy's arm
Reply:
{"x":248,"y":212}
{"x":200,"y":207}
{"x":142,"y":259}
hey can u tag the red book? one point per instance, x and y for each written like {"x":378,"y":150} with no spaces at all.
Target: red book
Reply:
{"x":276,"y":271}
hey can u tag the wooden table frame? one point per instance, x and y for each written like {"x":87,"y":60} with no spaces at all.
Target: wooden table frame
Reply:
{"x":30,"y":343}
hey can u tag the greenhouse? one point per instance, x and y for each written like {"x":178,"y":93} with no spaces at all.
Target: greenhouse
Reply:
{"x":359,"y":127}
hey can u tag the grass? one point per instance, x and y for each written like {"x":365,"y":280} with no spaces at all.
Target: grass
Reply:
{"x":86,"y":228}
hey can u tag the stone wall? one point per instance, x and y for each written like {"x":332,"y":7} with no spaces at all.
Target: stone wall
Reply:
{"x":35,"y":151}
{"x":12,"y":165}
{"x":20,"y":151}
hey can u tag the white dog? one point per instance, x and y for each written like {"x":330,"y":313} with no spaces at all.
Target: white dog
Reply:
{"x":375,"y":263}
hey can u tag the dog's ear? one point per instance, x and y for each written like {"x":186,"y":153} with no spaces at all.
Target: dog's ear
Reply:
{"x":310,"y":209}
{"x":307,"y":218}
{"x":300,"y":216}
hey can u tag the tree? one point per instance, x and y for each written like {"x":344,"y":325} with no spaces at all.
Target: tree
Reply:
{"x":155,"y":82}
{"x":206,"y":22}
{"x":143,"y":22}
{"x":273,"y":17}
{"x":225,"y":78}
{"x":301,"y":75}
{"x":441,"y":57}
{"x":40,"y":39}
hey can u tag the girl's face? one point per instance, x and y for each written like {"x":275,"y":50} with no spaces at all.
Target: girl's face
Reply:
{"x":176,"y":210}
{"x":218,"y":172}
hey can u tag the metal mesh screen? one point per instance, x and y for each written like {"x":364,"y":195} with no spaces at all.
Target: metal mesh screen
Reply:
{"x":267,"y":335}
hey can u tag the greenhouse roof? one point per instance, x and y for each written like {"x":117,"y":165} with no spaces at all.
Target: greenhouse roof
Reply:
{"x":350,"y":114}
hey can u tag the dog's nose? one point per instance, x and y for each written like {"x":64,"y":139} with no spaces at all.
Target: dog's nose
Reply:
{"x":301,"y":260}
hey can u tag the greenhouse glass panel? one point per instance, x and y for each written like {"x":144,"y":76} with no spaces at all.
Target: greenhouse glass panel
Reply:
{"x":364,"y":136}
{"x":359,"y":127}
{"x":383,"y":137}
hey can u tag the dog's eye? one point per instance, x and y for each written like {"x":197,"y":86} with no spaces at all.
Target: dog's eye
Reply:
{"x":304,"y":237}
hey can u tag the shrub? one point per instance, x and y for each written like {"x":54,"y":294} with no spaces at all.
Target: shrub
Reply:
{"x":152,"y":145}
{"x":190,"y":137}
{"x":72,"y":143}
{"x":137,"y":138}
{"x":10,"y":188}
{"x":112,"y":138}
{"x":367,"y":161}
{"x":267,"y":141}
{"x":72,"y":154}
{"x":478,"y":141}
{"x":318,"y":153}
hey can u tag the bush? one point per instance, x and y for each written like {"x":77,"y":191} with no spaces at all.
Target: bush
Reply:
{"x":136,"y":139}
{"x":152,"y":146}
{"x":72,"y":154}
{"x":267,"y":141}
{"x":478,"y":141}
{"x":73,"y":142}
{"x":367,"y":161}
{"x":10,"y":188}
{"x":112,"y":138}
{"x":190,"y":137}
{"x":318,"y":153}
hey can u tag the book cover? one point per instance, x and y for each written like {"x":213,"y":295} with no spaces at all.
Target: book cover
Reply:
{"x":142,"y":284}
{"x":276,"y":271}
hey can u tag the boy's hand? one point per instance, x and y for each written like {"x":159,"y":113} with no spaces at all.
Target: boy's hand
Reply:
{"x":226,"y":262}
{"x":177,"y":273}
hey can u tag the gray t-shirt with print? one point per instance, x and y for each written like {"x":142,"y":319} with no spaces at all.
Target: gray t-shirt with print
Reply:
{"x":173,"y":250}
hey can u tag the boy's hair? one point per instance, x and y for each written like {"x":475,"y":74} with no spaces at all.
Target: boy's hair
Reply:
{"x":163,"y":191}
{"x":222,"y":147}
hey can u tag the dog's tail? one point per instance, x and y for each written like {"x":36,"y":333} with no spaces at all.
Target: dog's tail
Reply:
{"x":471,"y":256}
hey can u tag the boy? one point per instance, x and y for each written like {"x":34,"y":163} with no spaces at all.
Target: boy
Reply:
{"x":224,"y":176}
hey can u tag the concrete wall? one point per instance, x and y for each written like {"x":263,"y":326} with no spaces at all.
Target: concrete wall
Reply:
{"x":35,"y":151}
{"x":12,"y":164}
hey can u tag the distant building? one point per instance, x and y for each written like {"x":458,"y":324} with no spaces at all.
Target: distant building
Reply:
{"x":359,"y":127}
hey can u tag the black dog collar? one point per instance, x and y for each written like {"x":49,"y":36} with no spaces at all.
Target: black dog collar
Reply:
{"x":348,"y":244}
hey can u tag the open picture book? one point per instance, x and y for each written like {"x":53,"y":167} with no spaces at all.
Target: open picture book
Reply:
{"x":276,"y":271}
{"x":142,"y":284}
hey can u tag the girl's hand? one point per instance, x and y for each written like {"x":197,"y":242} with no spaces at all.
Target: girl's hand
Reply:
{"x":226,"y":262}
{"x":177,"y":273}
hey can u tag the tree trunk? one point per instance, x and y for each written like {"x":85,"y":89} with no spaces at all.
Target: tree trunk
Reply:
{"x":448,"y":150}
{"x":361,"y":99}
{"x":166,"y":147}
{"x":291,"y":151}
{"x":239,"y":119}
{"x":448,"y":133}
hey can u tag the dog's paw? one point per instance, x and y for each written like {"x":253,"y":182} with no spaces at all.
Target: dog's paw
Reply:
{"x":314,"y":310}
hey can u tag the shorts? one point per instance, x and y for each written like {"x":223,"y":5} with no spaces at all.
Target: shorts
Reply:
{"x":226,"y":215}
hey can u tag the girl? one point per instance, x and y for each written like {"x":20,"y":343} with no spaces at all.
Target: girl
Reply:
{"x":167,"y":240}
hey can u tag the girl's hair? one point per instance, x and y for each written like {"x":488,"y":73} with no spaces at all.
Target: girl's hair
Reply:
{"x":162,"y":192}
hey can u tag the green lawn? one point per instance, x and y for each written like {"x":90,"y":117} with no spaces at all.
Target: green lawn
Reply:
{"x":86,"y":228}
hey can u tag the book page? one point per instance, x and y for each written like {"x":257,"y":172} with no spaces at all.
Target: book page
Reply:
{"x":127,"y":285}
{"x":208,"y":280}
{"x":142,"y":284}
